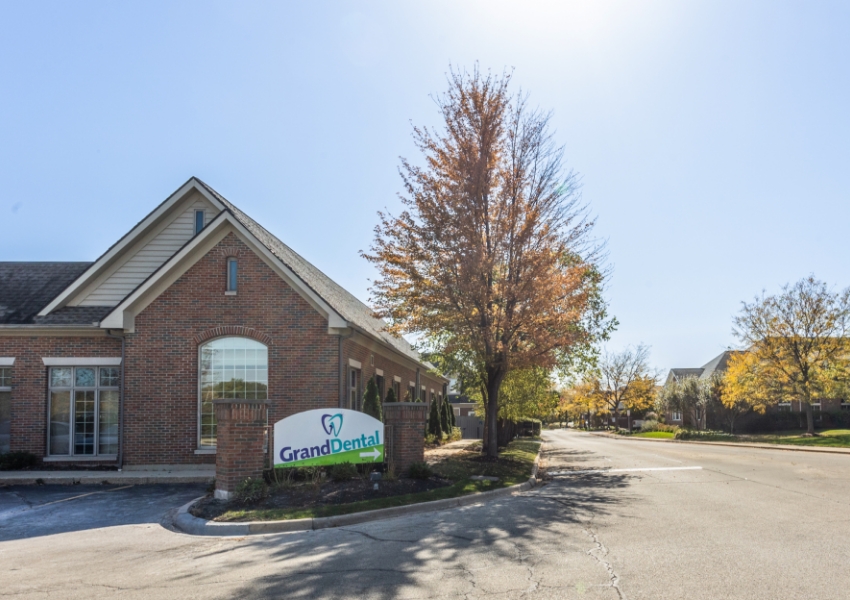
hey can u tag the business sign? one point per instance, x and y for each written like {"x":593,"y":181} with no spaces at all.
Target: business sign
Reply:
{"x":328,"y":437}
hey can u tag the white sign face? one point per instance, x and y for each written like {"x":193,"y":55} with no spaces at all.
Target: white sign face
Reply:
{"x":328,"y":436}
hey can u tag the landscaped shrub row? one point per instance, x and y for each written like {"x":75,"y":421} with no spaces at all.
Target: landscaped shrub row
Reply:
{"x":656,"y":426}
{"x":14,"y":461}
{"x":707,"y":435}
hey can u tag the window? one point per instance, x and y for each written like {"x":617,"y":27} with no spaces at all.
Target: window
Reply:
{"x":784,"y":406}
{"x":5,"y":409}
{"x":232,"y":266}
{"x":411,"y":394}
{"x":397,"y":391}
{"x":200,"y":221}
{"x":83,"y":413}
{"x":676,"y":416}
{"x":232,"y":368}
{"x":815,"y":406}
{"x":353,"y":388}
{"x":845,"y":406}
{"x":457,"y":412}
{"x":423,"y":395}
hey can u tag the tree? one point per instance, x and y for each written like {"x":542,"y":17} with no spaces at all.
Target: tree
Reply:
{"x":372,"y":401}
{"x":584,"y":399}
{"x":689,"y":395}
{"x":744,"y":387}
{"x":445,"y":417}
{"x":390,"y":395}
{"x":799,"y":339}
{"x":434,"y":426}
{"x":625,"y":378}
{"x":492,"y":257}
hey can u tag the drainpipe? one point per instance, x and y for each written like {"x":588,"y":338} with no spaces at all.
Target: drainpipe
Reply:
{"x":342,"y":374}
{"x":419,"y":388}
{"x":120,"y":399}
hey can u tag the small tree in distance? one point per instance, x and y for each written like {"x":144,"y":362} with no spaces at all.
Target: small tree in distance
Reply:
{"x":445,"y":417}
{"x":434,"y":426}
{"x":372,"y":401}
{"x":390,"y":395}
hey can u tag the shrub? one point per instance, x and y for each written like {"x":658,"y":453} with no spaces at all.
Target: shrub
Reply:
{"x":391,"y":395}
{"x":419,"y":470}
{"x":344,"y":472}
{"x":651,"y":416}
{"x":14,"y":461}
{"x":693,"y":434}
{"x":656,"y":426}
{"x":456,"y":434}
{"x":251,"y":491}
{"x":372,"y":400}
{"x":434,"y":426}
{"x":445,"y":417}
{"x":431,"y":439}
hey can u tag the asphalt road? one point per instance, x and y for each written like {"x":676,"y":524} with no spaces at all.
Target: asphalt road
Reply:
{"x":621,"y":519}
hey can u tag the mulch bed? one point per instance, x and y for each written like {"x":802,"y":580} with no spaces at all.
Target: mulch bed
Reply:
{"x":323,"y":494}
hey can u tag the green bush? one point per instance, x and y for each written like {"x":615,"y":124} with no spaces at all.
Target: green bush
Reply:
{"x":708,"y":435}
{"x":251,"y":491}
{"x":656,"y":426}
{"x":344,"y":472}
{"x":445,"y":417}
{"x":419,"y":470}
{"x":15,"y":461}
{"x":391,"y":395}
{"x":456,"y":434}
{"x":372,"y":400}
{"x":434,"y":426}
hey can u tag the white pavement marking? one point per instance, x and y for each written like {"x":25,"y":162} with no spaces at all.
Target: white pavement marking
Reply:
{"x":636,"y":470}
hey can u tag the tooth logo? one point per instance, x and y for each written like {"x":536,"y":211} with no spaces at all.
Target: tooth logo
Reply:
{"x":332,"y":424}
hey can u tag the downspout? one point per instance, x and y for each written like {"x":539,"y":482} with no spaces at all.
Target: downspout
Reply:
{"x":120,"y":399}
{"x":342,"y":378}
{"x":419,"y":389}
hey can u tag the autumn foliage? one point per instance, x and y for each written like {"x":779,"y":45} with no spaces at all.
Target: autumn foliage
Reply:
{"x":490,"y":259}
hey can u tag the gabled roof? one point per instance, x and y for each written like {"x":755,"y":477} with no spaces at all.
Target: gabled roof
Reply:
{"x":27,"y":287}
{"x":346,"y":309}
{"x":718,"y":364}
{"x":679,"y":374}
{"x":346,"y":304}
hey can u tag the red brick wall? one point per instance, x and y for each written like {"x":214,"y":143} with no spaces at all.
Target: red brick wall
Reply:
{"x":29,"y":381}
{"x":240,"y":444}
{"x":405,"y":443}
{"x":161,"y":414}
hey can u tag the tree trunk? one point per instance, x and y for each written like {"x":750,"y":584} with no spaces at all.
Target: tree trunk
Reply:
{"x":810,"y":419}
{"x":490,"y":447}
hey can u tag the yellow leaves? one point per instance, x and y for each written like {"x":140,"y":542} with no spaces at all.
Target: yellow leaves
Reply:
{"x":748,"y":383}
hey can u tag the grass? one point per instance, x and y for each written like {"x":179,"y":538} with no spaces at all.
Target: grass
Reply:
{"x":514,"y":466}
{"x":829,"y":438}
{"x":663,"y":435}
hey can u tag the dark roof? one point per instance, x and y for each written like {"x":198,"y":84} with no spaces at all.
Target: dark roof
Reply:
{"x":347,"y":305}
{"x":74,"y":315}
{"x":680,"y":373}
{"x":27,"y":287}
{"x":718,"y":364}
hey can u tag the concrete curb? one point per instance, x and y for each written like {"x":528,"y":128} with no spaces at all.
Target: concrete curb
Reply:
{"x":191,"y":524}
{"x":731,"y":444}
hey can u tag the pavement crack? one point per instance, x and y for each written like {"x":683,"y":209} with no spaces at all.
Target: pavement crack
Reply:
{"x":600,"y":553}
{"x":377,"y":539}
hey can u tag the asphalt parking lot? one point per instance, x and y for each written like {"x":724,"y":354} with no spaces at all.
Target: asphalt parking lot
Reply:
{"x":32,"y":511}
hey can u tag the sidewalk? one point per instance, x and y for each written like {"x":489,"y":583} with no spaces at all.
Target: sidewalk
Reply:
{"x":202,"y":474}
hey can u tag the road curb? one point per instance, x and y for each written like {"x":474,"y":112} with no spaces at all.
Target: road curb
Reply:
{"x":731,"y":444}
{"x":188,"y":523}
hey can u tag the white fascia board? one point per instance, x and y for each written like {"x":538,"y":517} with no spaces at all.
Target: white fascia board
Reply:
{"x":7,"y":361}
{"x":123,"y":315}
{"x":59,"y":361}
{"x":126,"y":241}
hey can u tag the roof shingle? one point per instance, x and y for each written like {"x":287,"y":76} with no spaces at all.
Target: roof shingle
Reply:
{"x":27,"y":287}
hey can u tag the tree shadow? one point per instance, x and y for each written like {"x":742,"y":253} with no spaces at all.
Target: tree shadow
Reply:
{"x":383,"y":559}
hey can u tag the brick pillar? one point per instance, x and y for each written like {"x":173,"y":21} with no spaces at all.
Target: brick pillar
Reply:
{"x":239,"y":454}
{"x":404,"y":433}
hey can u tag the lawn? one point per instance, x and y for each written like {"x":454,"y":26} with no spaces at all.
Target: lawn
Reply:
{"x":829,"y":438}
{"x":513,"y":466}
{"x":661,"y":435}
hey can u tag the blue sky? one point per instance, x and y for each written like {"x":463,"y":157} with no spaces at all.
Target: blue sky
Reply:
{"x":712,"y":138}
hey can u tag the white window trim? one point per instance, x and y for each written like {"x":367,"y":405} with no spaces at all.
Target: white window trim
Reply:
{"x":354,"y":363}
{"x":7,"y":361}
{"x":413,"y":384}
{"x":231,"y":260}
{"x":379,"y":372}
{"x":396,"y":378}
{"x":50,"y":361}
{"x":203,"y":220}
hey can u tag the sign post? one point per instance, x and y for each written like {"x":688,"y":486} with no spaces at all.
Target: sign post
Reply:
{"x":327,"y":437}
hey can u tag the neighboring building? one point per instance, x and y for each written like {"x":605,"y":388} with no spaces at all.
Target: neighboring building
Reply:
{"x":119,"y":360}
{"x":461,"y":405}
{"x":719,"y":364}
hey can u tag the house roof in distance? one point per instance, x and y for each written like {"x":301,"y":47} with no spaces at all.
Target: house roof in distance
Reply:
{"x":27,"y":287}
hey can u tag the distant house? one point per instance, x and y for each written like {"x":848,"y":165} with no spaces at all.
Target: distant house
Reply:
{"x":461,"y":405}
{"x":719,"y":364}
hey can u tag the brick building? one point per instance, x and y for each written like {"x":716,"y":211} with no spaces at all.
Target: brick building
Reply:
{"x":120,"y":360}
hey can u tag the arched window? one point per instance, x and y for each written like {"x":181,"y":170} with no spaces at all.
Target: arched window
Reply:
{"x":233,"y":368}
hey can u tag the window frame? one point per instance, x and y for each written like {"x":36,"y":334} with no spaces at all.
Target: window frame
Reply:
{"x":232,"y":275}
{"x":199,"y":212}
{"x":6,"y":386}
{"x":354,"y":387}
{"x":72,"y":392}
{"x":673,"y":416}
{"x":200,"y":395}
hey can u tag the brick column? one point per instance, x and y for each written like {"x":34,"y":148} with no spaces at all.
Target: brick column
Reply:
{"x":239,"y":448}
{"x":404,"y":433}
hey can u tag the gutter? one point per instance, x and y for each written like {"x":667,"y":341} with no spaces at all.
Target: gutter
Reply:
{"x":120,"y":399}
